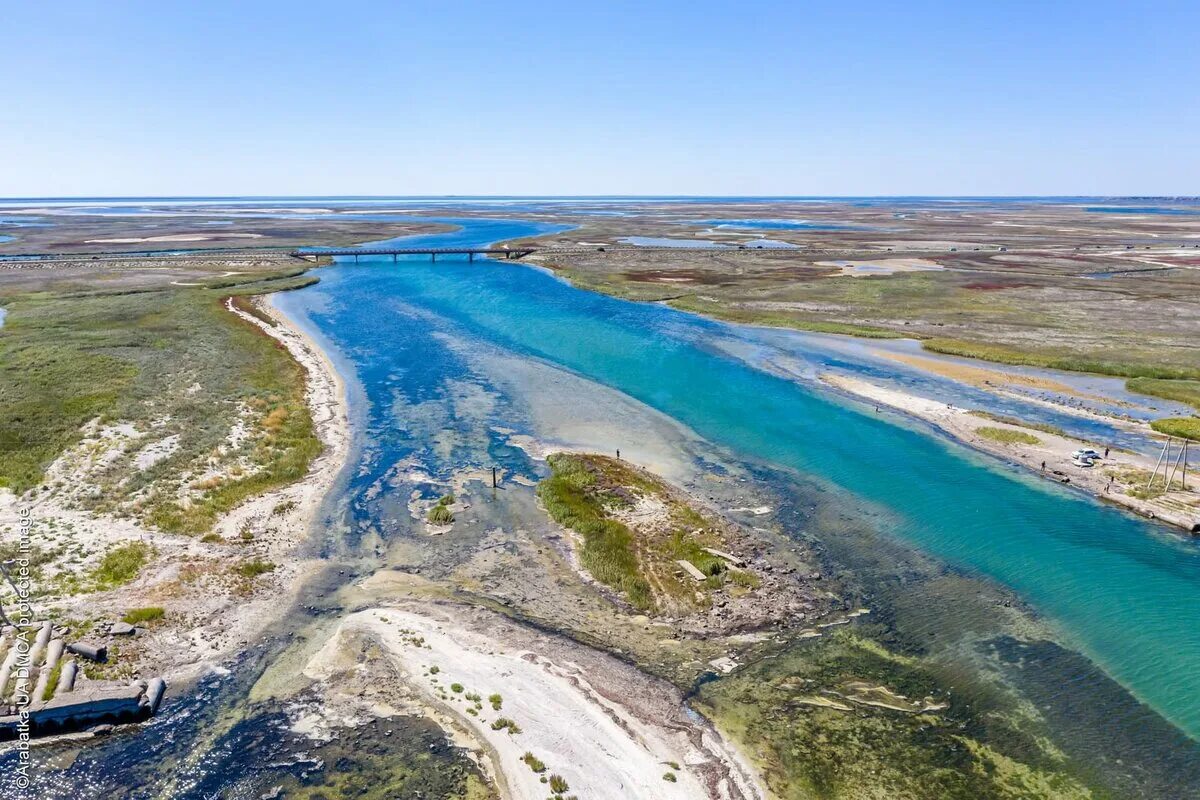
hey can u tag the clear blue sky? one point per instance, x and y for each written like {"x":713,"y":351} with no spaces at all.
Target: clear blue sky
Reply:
{"x":696,"y":97}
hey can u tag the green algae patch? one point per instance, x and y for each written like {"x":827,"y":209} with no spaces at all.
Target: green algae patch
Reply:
{"x":843,"y":718}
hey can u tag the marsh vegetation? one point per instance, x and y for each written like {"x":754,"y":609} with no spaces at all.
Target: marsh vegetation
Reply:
{"x":183,"y":410}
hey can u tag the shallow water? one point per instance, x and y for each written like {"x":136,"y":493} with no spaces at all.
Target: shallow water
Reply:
{"x":666,"y":241}
{"x":1122,"y":590}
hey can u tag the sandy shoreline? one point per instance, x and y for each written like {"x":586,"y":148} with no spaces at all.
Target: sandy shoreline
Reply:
{"x":1179,"y":508}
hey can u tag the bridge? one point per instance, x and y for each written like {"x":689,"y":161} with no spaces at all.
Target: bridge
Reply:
{"x":315,"y":253}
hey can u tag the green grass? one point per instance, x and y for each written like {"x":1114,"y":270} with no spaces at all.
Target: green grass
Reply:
{"x":120,"y":565}
{"x":1044,"y":427}
{"x":1007,"y":435}
{"x":135,"y":616}
{"x":1005,"y":354}
{"x":57,"y":372}
{"x":254,"y":568}
{"x":607,"y":551}
{"x":558,"y":784}
{"x":496,"y":700}
{"x":1179,"y":391}
{"x":1184,"y":427}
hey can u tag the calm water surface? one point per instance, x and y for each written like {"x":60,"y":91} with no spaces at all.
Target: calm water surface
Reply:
{"x":1125,"y":592}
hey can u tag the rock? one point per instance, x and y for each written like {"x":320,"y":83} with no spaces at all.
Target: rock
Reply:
{"x":101,"y":730}
{"x":122,"y":629}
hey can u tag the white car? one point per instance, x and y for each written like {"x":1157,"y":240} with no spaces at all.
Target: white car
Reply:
{"x":1085,"y":454}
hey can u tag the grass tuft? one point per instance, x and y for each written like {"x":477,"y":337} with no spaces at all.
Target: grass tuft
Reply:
{"x":121,"y":565}
{"x":254,"y":568}
{"x":535,"y":763}
{"x":135,"y":616}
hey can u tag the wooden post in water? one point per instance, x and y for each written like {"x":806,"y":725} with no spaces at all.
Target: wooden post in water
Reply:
{"x":493,"y":477}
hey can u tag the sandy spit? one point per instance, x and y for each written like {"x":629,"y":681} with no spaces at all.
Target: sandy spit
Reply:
{"x":1179,"y":507}
{"x":609,"y":731}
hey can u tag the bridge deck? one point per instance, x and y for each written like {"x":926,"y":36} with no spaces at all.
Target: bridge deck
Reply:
{"x":509,"y":253}
{"x":406,"y":251}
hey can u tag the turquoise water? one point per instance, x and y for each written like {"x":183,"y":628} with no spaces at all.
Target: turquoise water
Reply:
{"x":1123,"y":591}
